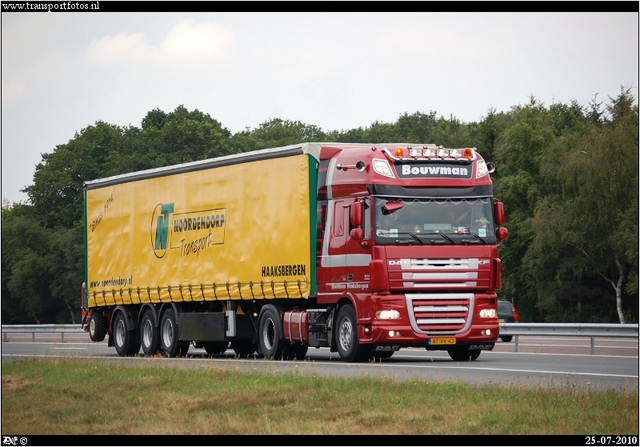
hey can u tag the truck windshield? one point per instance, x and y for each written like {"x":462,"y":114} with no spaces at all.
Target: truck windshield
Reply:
{"x":434,"y":221}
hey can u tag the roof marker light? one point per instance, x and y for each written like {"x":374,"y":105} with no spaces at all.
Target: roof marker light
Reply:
{"x":430,"y":152}
{"x":468,"y":152}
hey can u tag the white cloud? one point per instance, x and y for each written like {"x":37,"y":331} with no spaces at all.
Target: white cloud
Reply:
{"x":62,"y":72}
{"x":187,"y":41}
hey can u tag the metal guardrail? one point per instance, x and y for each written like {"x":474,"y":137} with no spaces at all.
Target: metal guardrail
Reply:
{"x":40,"y":329}
{"x":591,"y":330}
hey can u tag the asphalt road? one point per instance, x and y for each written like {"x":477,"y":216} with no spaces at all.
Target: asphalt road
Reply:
{"x":541,"y":362}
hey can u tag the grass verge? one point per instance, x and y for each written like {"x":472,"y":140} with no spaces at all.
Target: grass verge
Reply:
{"x":68,"y":396}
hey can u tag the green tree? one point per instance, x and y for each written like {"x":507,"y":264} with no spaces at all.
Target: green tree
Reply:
{"x":276,"y":133}
{"x":416,"y":128}
{"x":26,"y":273}
{"x":181,"y":136}
{"x":590,"y":227}
{"x":520,"y":185}
{"x":56,"y":192}
{"x":67,"y":272}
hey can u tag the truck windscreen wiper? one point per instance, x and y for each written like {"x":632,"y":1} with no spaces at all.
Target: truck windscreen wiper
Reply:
{"x":405,"y":241}
{"x":444,"y":236}
{"x":416,"y":238}
{"x":478,"y":239}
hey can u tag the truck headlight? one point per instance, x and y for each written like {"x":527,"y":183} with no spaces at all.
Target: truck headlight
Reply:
{"x":387,"y":314}
{"x":488,"y":313}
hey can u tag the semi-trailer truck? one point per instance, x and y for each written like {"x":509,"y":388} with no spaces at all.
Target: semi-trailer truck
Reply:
{"x":361,"y":248}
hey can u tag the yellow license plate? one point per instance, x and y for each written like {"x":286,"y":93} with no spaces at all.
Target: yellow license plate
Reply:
{"x":442,"y":341}
{"x":500,"y":320}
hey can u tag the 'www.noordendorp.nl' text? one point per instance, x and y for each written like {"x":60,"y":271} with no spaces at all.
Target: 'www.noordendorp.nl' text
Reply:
{"x":51,"y":6}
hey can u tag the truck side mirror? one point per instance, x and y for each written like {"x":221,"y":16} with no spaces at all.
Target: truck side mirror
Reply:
{"x":498,"y":213}
{"x":357,"y":234}
{"x":502,"y":233}
{"x":356,"y":214}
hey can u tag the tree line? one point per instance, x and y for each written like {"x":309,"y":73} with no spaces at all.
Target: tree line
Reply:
{"x":567,"y":174}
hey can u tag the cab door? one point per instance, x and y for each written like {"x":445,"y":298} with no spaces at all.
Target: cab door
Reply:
{"x":345,"y":258}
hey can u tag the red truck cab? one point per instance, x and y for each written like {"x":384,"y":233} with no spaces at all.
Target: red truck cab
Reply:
{"x":408,"y":236}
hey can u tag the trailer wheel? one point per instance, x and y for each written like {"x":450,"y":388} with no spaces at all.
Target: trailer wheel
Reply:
{"x":123,"y":340}
{"x":463,"y":354}
{"x":271,"y":346}
{"x":149,"y":334}
{"x":349,"y":347}
{"x":215,"y":347}
{"x":97,"y":327}
{"x":169,"y":342}
{"x":506,"y":338}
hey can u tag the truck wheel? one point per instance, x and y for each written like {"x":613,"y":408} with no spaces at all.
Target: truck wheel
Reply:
{"x":463,"y":354}
{"x":124,"y":340}
{"x":169,"y":342}
{"x":97,"y":327}
{"x":271,"y":346}
{"x":149,"y":334}
{"x":349,"y":347}
{"x":506,"y":338}
{"x":215,"y":347}
{"x":244,"y":348}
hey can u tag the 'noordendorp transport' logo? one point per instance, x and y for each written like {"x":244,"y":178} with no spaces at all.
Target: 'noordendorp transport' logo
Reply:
{"x":190,"y":232}
{"x":160,"y":228}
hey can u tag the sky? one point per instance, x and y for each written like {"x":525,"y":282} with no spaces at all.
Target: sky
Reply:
{"x":62,"y":72}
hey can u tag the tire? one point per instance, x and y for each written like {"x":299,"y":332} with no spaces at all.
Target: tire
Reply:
{"x":346,"y":329}
{"x":123,"y":340}
{"x":271,"y":346}
{"x":97,"y":327}
{"x":244,"y":348}
{"x":149,"y":336}
{"x":169,"y":342}
{"x":463,"y":354}
{"x":506,"y":338}
{"x":215,"y":347}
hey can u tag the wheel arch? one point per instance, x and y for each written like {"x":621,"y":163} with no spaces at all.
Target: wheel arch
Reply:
{"x":154,"y":312}
{"x":165,"y":306}
{"x":130,"y":317}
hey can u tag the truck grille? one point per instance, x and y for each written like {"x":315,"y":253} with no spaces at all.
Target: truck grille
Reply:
{"x":438,"y":273}
{"x":440,"y":313}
